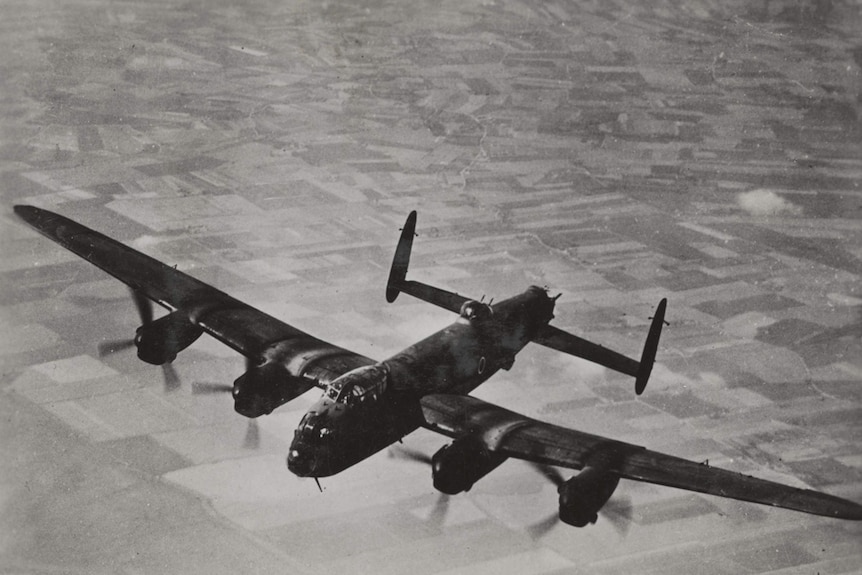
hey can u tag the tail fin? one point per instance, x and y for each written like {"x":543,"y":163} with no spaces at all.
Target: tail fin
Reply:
{"x":650,"y":347}
{"x":401,"y":261}
{"x":397,"y":276}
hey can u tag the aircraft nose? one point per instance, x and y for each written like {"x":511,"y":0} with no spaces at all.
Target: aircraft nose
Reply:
{"x":299,"y":462}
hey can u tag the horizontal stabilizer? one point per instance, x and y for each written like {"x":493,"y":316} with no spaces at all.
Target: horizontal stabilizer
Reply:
{"x":433,"y":295}
{"x":565,"y":342}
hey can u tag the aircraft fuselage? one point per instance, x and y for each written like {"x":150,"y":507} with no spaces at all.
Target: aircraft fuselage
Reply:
{"x":371,"y":407}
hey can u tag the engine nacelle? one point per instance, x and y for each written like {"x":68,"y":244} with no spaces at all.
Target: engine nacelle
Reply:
{"x":583,"y":495}
{"x":263,"y":388}
{"x":456,"y":467}
{"x":160,"y":341}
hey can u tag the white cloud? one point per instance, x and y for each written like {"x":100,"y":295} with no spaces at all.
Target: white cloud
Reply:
{"x":763,"y":202}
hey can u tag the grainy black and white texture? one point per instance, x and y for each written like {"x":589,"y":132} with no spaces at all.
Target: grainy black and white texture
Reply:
{"x":617,"y":151}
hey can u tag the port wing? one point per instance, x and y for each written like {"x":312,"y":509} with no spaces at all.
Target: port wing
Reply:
{"x":513,"y":435}
{"x":237,"y":324}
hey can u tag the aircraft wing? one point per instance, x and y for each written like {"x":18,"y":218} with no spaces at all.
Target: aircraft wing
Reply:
{"x":521,"y":437}
{"x":239,"y":325}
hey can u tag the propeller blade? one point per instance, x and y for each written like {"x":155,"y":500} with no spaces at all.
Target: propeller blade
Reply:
{"x":145,"y":307}
{"x":202,"y":388}
{"x":437,"y":517}
{"x":551,"y":473}
{"x":401,"y":452}
{"x":252,"y":435}
{"x":145,"y":312}
{"x":618,"y":512}
{"x":172,"y":379}
{"x":108,"y":347}
{"x":540,"y":529}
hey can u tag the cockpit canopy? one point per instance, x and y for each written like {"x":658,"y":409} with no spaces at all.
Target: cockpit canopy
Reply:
{"x":362,"y":384}
{"x":476,"y":311}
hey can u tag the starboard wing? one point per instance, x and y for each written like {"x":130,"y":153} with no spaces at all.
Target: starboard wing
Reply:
{"x":237,"y":324}
{"x":521,"y":437}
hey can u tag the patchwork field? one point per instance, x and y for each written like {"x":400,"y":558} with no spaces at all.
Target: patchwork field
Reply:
{"x":707,"y":152}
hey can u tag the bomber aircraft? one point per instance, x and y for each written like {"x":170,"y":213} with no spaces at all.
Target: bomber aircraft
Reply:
{"x":368,"y":405}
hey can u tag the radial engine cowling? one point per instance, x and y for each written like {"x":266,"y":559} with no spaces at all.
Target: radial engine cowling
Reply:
{"x":160,"y":341}
{"x":582,"y":496}
{"x":456,"y":467}
{"x":263,"y":388}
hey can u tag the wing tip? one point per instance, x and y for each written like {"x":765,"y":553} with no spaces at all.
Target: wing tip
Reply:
{"x":820,"y":503}
{"x":43,"y":221}
{"x":849,"y":510}
{"x":30,"y":214}
{"x":24,"y":210}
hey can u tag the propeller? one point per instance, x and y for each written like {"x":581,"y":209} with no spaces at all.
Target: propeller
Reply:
{"x":205,"y":388}
{"x":252,"y":433}
{"x":540,"y":529}
{"x":552,"y":474}
{"x":144,"y":305}
{"x":437,"y":516}
{"x":617,"y":511}
{"x":145,"y":313}
{"x":113,"y":346}
{"x":171,"y":377}
{"x":407,"y":454}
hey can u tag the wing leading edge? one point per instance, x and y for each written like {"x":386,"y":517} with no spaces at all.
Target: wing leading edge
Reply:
{"x":236,"y":324}
{"x":521,"y":437}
